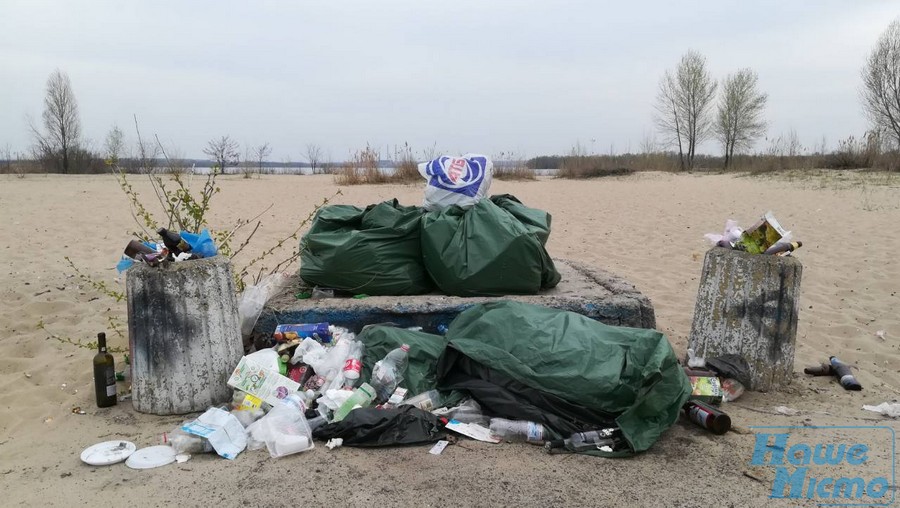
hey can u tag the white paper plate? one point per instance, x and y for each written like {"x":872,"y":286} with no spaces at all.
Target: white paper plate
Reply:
{"x":107,"y":452}
{"x":150,"y":457}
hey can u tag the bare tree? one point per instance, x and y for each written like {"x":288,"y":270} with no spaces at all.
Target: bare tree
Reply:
{"x":62,"y":126}
{"x":313,"y":155}
{"x":669,"y":115}
{"x":684,"y":103}
{"x":260,"y":153}
{"x":739,"y":119}
{"x":114,"y":145}
{"x":881,"y":83}
{"x":224,"y":152}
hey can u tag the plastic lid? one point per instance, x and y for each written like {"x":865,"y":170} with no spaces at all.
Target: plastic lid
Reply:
{"x":405,"y":347}
{"x":107,"y":452}
{"x":150,"y":457}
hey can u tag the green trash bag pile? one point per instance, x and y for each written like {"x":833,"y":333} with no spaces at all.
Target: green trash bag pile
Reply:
{"x":492,"y":249}
{"x":558,"y":368}
{"x":375,"y":251}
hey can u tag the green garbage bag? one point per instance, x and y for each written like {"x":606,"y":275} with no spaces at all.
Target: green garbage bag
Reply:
{"x":376,"y":251}
{"x":565,"y":370}
{"x":489,"y":249}
{"x":424,"y":351}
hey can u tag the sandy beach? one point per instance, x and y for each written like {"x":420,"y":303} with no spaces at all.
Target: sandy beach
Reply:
{"x":646,"y":227}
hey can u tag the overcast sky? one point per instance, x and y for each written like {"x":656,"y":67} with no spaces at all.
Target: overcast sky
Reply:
{"x":530,"y":77}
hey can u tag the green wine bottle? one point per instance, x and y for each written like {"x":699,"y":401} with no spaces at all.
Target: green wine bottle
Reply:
{"x":104,"y":374}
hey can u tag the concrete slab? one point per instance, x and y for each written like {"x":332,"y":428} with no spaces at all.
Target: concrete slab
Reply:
{"x":592,"y":292}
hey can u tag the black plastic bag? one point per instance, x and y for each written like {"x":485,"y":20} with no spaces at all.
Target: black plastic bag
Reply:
{"x":370,"y":427}
{"x":733,"y":366}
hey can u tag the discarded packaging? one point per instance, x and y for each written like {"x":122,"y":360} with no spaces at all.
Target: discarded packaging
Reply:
{"x":707,"y":389}
{"x":151,"y":457}
{"x":762,"y":235}
{"x":473,"y":430}
{"x":461,"y":181}
{"x":107,"y":452}
{"x":223,"y":431}
{"x":334,"y":443}
{"x":438,"y":447}
{"x":262,"y":382}
{"x":885,"y":408}
{"x":284,"y":430}
{"x":303,"y":331}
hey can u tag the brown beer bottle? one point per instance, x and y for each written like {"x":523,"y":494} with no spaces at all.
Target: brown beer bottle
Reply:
{"x":104,"y":374}
{"x":707,"y":416}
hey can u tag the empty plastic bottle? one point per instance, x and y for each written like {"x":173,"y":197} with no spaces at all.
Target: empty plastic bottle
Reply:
{"x":517,"y":430}
{"x":362,"y":397}
{"x":353,"y":364}
{"x":388,"y":372}
{"x":584,"y":441}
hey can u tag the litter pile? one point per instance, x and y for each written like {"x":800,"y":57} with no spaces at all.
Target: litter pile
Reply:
{"x":504,"y":371}
{"x":765,"y":237}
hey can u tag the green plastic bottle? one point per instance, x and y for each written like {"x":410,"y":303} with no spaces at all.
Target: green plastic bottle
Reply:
{"x":362,"y":396}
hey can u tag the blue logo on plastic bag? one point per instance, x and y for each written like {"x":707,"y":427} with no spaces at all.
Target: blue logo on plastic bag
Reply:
{"x":457,"y":174}
{"x":833,"y":466}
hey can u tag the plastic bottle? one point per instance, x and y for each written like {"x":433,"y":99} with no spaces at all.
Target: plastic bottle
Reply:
{"x":584,"y":441}
{"x":388,"y":372}
{"x":183,"y":442}
{"x":517,"y":430}
{"x":285,"y":428}
{"x":353,"y":364}
{"x":424,"y":401}
{"x":362,"y":397}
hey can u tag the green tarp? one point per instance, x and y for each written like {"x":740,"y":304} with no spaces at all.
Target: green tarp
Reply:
{"x":564,"y":370}
{"x":375,"y":251}
{"x":495,"y":248}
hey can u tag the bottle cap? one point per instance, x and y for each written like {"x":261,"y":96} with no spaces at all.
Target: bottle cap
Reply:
{"x":405,"y":347}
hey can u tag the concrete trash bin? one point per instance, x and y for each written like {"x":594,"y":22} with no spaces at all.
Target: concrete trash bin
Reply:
{"x":748,"y":304}
{"x":184,"y":335}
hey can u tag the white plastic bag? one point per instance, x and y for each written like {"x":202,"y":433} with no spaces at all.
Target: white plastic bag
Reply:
{"x":459,"y":181}
{"x":223,"y":431}
{"x":284,"y":431}
{"x":254,"y":298}
{"x":731,"y":234}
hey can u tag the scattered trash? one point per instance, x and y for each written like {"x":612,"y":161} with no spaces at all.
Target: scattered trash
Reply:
{"x":321,"y":293}
{"x":880,"y":334}
{"x":317,"y":331}
{"x":729,"y":236}
{"x":838,"y":369}
{"x":104,"y":374}
{"x":368,"y":426}
{"x":27,"y":375}
{"x":107,"y":452}
{"x":788,"y":411}
{"x":49,"y":419}
{"x":707,"y":389}
{"x":151,"y":457}
{"x":284,"y":430}
{"x":181,"y":458}
{"x":765,"y":237}
{"x":732,"y":389}
{"x":731,"y":366}
{"x":886,"y":408}
{"x":694,"y":361}
{"x":584,"y":441}
{"x":473,"y":430}
{"x":707,"y":417}
{"x":334,"y":443}
{"x":438,"y":447}
{"x":223,"y":430}
{"x":78,"y":411}
{"x":254,"y":298}
{"x":517,"y":431}
{"x":254,"y":374}
{"x":388,"y":372}
{"x":185,"y":443}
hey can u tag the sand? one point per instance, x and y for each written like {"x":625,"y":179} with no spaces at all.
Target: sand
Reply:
{"x":647,"y":228}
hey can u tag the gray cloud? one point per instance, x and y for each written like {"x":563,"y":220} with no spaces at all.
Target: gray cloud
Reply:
{"x":524,"y":76}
